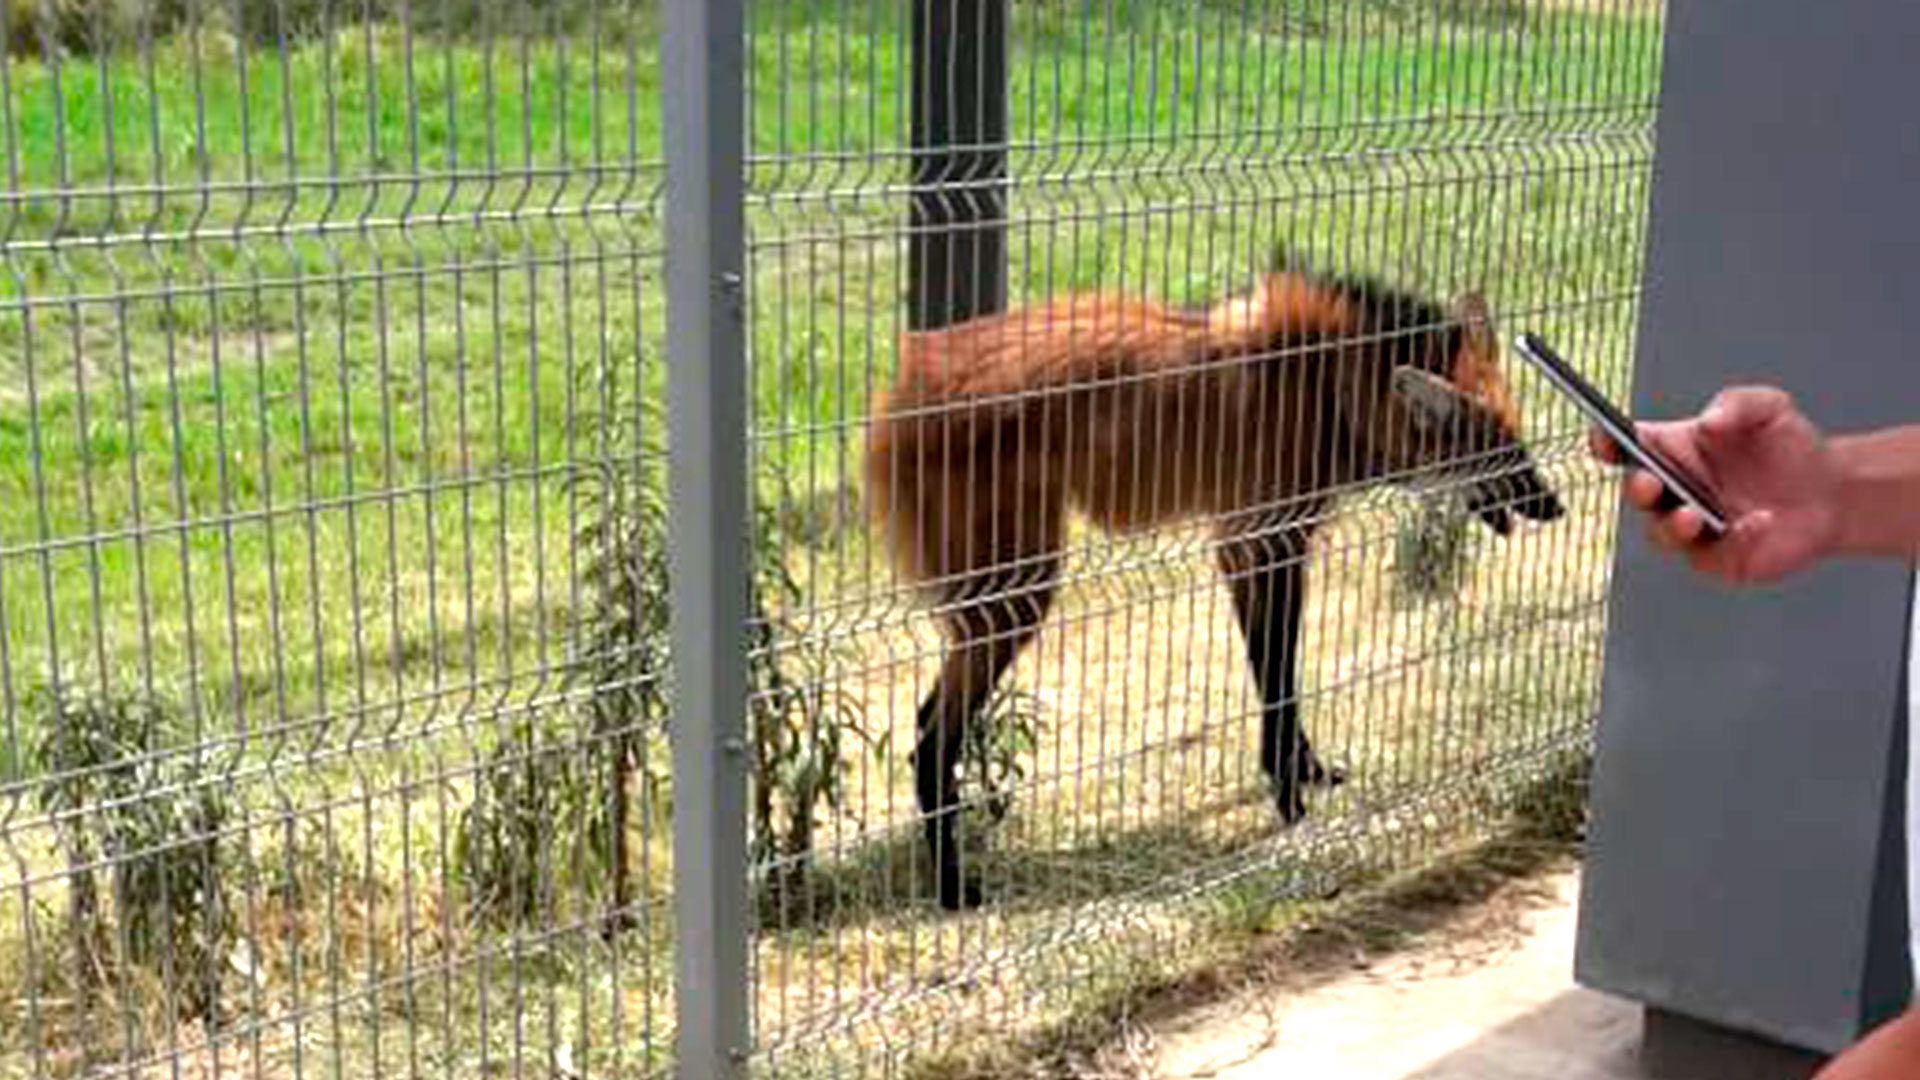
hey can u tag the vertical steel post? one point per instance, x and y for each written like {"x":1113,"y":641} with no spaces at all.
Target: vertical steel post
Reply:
{"x":1749,"y":759}
{"x":703,"y":139}
{"x":957,"y":254}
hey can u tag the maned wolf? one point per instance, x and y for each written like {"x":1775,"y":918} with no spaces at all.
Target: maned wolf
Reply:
{"x":1251,"y":415}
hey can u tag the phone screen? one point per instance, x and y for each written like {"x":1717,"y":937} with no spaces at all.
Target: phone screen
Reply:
{"x":1680,"y":488}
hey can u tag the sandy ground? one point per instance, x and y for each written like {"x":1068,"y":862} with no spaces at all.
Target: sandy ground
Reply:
{"x":1446,"y":1010}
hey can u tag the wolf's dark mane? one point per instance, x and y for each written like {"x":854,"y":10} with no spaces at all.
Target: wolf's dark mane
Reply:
{"x":1395,"y":316}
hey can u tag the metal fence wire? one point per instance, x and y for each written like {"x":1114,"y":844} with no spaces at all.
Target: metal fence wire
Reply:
{"x":1077,"y":433}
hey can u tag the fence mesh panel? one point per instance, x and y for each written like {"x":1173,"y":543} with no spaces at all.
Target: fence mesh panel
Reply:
{"x":328,"y":335}
{"x":334,"y":689}
{"x":1113,"y":809}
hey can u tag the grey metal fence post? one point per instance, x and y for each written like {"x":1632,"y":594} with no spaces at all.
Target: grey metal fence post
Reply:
{"x":1742,"y":871}
{"x":702,"y":134}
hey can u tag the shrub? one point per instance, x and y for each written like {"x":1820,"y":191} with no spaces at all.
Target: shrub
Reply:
{"x":146,"y":819}
{"x":1433,"y":548}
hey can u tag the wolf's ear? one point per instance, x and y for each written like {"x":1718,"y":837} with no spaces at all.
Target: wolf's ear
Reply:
{"x":1284,"y":258}
{"x":1472,"y":311}
{"x":1436,"y":404}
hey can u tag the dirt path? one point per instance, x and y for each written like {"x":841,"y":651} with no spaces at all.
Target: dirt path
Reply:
{"x":1455,"y":1008}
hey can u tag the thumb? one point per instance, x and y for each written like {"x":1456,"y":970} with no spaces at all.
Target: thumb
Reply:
{"x":1674,"y":438}
{"x":1739,"y":410}
{"x":1753,"y":550}
{"x":1751,"y":527}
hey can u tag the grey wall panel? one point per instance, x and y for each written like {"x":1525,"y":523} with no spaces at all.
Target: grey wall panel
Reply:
{"x":1745,"y":738}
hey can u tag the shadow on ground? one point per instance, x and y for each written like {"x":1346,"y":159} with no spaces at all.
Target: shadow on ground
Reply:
{"x":1576,"y":1035}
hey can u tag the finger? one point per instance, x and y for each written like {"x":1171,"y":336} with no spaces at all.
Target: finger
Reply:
{"x":1643,"y":489}
{"x":1678,"y":531}
{"x":1738,"y":410}
{"x":1748,"y":557}
{"x":1685,"y":526}
{"x":1715,"y":561}
{"x":1662,"y":537}
{"x":1602,"y":446}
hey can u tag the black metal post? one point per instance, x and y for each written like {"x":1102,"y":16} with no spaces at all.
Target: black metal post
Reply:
{"x":957,"y":254}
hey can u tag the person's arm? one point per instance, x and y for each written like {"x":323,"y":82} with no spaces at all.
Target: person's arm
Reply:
{"x":1879,"y":492}
{"x":1793,"y":496}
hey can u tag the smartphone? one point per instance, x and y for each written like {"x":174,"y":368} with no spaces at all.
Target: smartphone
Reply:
{"x":1680,"y":489}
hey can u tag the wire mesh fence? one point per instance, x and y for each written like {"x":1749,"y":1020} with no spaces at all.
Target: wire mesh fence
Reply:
{"x":1105,"y":589}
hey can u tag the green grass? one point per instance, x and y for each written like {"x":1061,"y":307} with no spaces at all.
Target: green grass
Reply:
{"x":440,"y":380}
{"x":317,"y":479}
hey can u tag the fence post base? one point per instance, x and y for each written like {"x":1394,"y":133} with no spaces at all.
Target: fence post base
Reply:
{"x":1682,"y":1048}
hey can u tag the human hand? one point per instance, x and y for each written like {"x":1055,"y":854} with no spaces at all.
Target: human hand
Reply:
{"x":1771,"y":471}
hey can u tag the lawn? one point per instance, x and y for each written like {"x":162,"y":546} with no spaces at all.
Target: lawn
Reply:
{"x":307,"y":348}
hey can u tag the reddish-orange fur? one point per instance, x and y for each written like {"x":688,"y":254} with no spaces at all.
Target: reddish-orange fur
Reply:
{"x":1249,"y":415}
{"x":1136,"y":414}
